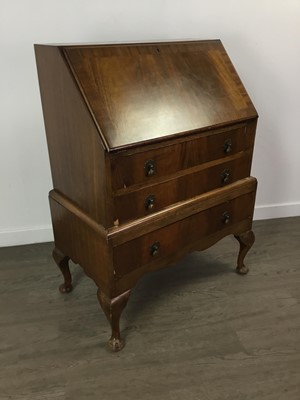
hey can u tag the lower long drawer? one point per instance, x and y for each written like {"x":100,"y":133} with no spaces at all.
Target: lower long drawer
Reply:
{"x":164,"y":241}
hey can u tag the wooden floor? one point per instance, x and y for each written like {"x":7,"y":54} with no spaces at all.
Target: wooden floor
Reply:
{"x":194,"y":331}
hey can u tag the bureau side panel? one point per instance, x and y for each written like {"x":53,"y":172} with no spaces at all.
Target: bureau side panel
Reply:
{"x":84,"y":243}
{"x":251,"y":134}
{"x":77,"y":155}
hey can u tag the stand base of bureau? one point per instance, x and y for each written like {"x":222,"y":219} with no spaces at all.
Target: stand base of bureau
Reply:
{"x":118,"y":257}
{"x":113,"y":307}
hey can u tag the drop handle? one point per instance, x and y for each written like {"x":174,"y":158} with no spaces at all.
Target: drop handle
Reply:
{"x":225,"y":176}
{"x":149,"y":168}
{"x":227,"y":146}
{"x":149,"y":202}
{"x":226,"y":218}
{"x":154,"y":248}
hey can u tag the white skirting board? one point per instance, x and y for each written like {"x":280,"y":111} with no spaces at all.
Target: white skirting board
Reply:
{"x":26,"y":235}
{"x":40,"y":234}
{"x":271,"y":211}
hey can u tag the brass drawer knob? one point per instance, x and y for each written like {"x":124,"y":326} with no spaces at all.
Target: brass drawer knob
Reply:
{"x":225,"y":176}
{"x":149,"y":168}
{"x":154,"y":248}
{"x":227,"y":146}
{"x":226,"y":218}
{"x":149,"y":202}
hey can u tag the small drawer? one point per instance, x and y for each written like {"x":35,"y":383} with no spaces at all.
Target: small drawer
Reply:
{"x":131,"y":168}
{"x":146,"y":200}
{"x":171,"y":238}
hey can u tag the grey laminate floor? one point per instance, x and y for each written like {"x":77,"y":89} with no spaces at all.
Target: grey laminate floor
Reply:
{"x":194,"y":331}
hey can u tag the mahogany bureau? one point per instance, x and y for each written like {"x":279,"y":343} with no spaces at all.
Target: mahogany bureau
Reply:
{"x":150,"y":149}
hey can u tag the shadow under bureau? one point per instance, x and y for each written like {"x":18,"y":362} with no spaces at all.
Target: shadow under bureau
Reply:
{"x":150,"y":149}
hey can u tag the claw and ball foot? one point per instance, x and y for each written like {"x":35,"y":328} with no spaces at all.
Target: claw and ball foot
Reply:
{"x":63,"y":263}
{"x":113,"y":309}
{"x":246,"y":241}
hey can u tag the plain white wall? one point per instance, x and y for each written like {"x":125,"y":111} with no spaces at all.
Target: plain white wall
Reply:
{"x":261,"y":37}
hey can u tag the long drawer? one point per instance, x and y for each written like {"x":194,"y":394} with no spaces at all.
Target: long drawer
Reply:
{"x":162,"y":242}
{"x":130,"y":168}
{"x":149,"y":199}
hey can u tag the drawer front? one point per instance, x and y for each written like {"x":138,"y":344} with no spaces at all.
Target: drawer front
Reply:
{"x":171,"y":238}
{"x":147,"y":200}
{"x":144,"y":167}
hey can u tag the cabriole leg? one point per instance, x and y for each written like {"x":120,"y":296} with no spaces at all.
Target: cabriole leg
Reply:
{"x":63,"y":263}
{"x":246,"y":241}
{"x":113,"y":309}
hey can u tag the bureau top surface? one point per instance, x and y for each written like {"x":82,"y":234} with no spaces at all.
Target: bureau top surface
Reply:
{"x":141,"y":93}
